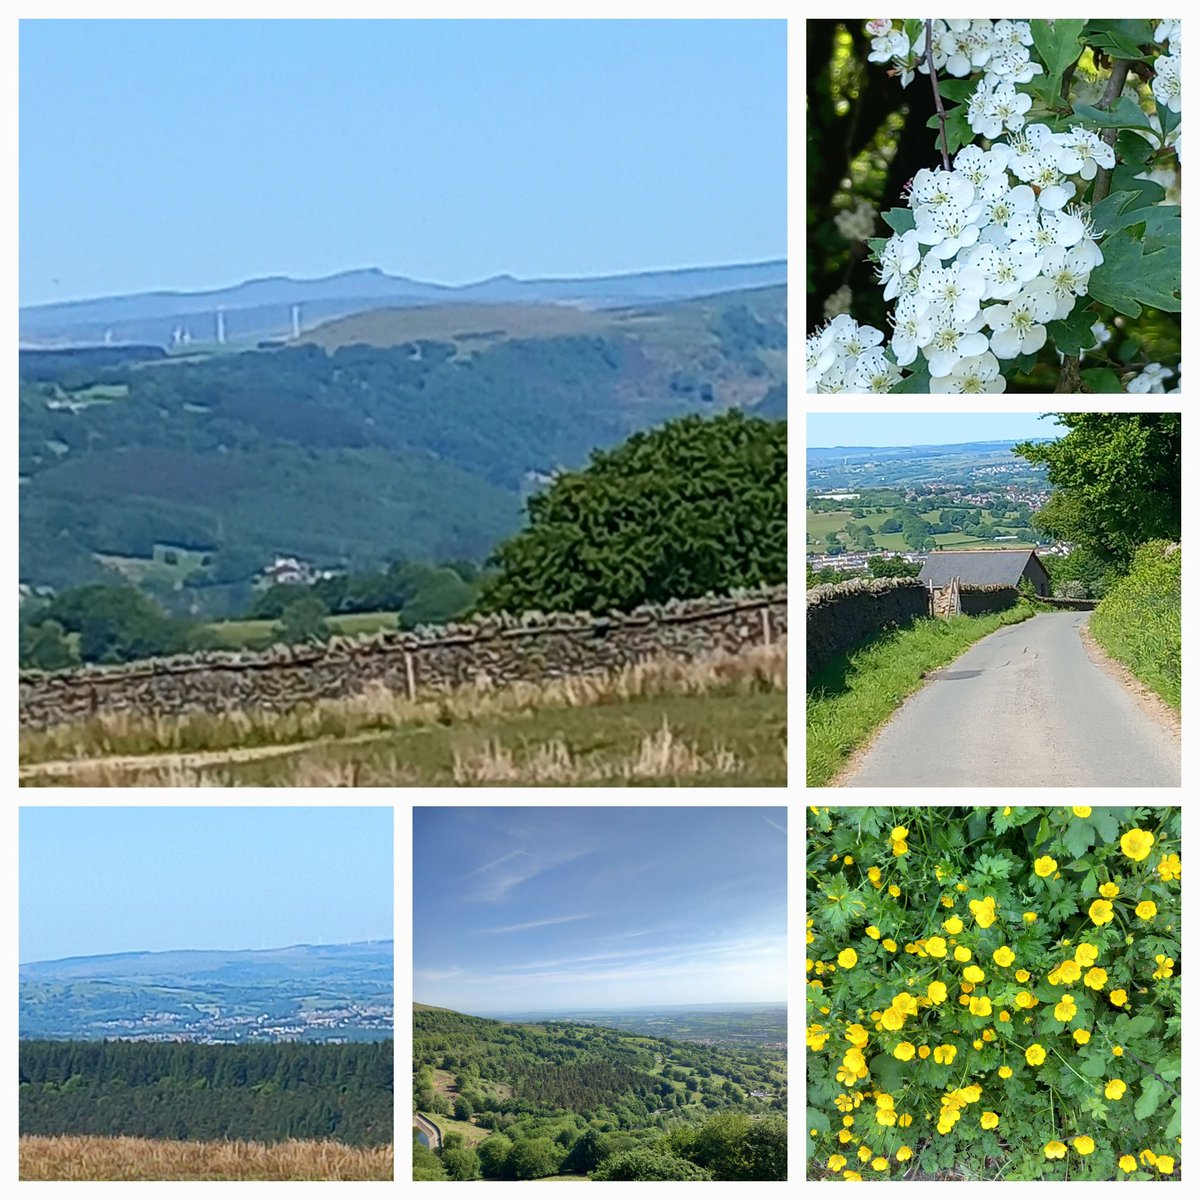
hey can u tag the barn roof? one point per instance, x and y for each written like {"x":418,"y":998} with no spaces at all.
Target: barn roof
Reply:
{"x":976,"y":566}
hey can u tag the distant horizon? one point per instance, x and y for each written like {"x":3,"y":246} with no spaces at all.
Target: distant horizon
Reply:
{"x":372,"y":269}
{"x":34,"y":962}
{"x":883,"y":431}
{"x":549,"y":909}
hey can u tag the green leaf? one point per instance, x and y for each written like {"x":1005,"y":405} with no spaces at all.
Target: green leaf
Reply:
{"x":917,"y":383}
{"x":1074,"y":332}
{"x":1103,"y":381}
{"x":958,"y":132}
{"x":1120,"y":39}
{"x":900,"y":219}
{"x":959,"y":89}
{"x":877,"y":245}
{"x":1131,"y":277}
{"x":1151,"y":1097}
{"x":1095,"y":1065}
{"x":1058,"y":44}
{"x":1078,"y":835}
{"x":1168,"y":119}
{"x":1125,"y":114}
{"x":1173,"y":1125}
{"x":1105,"y":823}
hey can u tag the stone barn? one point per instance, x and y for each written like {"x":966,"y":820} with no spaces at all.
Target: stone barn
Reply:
{"x":976,"y":567}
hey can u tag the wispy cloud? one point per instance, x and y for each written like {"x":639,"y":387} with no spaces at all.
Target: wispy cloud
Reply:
{"x":774,"y":826}
{"x":496,"y":862}
{"x":494,"y":880}
{"x":538,"y":924}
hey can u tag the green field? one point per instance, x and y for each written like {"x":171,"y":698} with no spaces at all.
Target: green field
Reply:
{"x":819,"y":524}
{"x":157,"y":569}
{"x":255,"y":635}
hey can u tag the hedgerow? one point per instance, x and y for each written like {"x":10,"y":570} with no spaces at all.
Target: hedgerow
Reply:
{"x":993,"y":993}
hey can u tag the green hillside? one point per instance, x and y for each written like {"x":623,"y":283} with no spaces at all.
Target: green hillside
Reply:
{"x":568,"y":1098}
{"x":423,"y":446}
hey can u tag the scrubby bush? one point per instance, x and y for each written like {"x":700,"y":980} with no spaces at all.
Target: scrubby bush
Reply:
{"x":992,"y":993}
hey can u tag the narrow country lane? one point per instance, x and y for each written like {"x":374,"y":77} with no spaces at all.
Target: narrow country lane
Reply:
{"x":1024,"y":707}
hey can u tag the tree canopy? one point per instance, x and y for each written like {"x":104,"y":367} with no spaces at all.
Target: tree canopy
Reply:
{"x":692,"y":507}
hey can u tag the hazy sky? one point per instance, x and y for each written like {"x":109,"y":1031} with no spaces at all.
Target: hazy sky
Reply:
{"x":193,"y":154}
{"x":924,"y":429}
{"x":543,"y":908}
{"x":104,"y":880}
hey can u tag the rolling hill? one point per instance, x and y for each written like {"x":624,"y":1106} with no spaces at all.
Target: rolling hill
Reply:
{"x":413,"y":433}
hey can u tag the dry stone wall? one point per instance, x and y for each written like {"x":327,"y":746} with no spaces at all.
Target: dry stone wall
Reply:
{"x":987,"y":598}
{"x":492,"y":651}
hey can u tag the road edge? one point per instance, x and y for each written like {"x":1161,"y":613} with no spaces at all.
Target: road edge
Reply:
{"x":1148,"y":699}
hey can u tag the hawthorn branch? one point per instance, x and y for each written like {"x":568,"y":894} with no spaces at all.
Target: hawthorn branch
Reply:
{"x":937,"y":95}
{"x":1069,"y":379}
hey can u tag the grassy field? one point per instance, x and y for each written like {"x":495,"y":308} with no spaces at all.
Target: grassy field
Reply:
{"x":472,"y":1134}
{"x":720,"y":721}
{"x":157,"y":568}
{"x":254,"y":635}
{"x":818,"y":524}
{"x":857,"y":692}
{"x":103,"y":1158}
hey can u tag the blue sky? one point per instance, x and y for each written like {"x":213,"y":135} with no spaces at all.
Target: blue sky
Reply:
{"x":550,"y":908}
{"x":924,"y":429}
{"x":104,"y":880}
{"x":194,"y":154}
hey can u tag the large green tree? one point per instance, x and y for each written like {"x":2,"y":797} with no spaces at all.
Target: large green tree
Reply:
{"x":694,"y":506}
{"x":1118,"y":480}
{"x":654,"y":1162}
{"x":116,"y":624}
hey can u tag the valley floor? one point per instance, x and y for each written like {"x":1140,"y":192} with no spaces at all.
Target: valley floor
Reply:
{"x":110,"y":1158}
{"x":718,"y":723}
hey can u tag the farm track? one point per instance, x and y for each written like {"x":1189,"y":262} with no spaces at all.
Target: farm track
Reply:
{"x":187,"y":759}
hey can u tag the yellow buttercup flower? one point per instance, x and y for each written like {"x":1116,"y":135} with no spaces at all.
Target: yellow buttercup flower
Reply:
{"x":889,"y":945}
{"x":1127,"y":1163}
{"x":1169,"y":868}
{"x":936,"y":947}
{"x":1086,"y":954}
{"x":1065,"y":1009}
{"x":1164,"y":1164}
{"x":953,"y":925}
{"x":1022,"y":976}
{"x":892,"y":1018}
{"x":1136,"y":844}
{"x":1082,"y":810}
{"x":836,"y":1162}
{"x":899,"y":848}
{"x":864,"y":1152}
{"x":1025,"y":1000}
{"x":1101,"y":912}
{"x":874,"y":874}
{"x":980,"y":1006}
{"x":899,"y":834}
{"x":1055,"y":1150}
{"x":962,"y":954}
{"x":1114,"y":1089}
{"x":1029,"y":917}
{"x":989,"y":1120}
{"x":873,"y":932}
{"x":1146,"y":910}
{"x":1069,"y":971}
{"x":856,"y":1035}
{"x":847,"y":958}
{"x":1035,"y":1055}
{"x":973,"y":974}
{"x":945,"y":1054}
{"x":879,"y":1164}
{"x":848,"y":860}
{"x":937,"y":991}
{"x":1164,"y":967}
{"x":1004,"y":957}
{"x":893,"y":891}
{"x":1109,"y":890}
{"x":1096,"y":978}
{"x":1005,"y":1015}
{"x":852,"y":1176}
{"x":1148,"y":1157}
{"x":1084,"y":1144}
{"x":904,"y":1051}
{"x":984,"y":911}
{"x":1044,"y":866}
{"x":1118,"y":997}
{"x":904,"y":1154}
{"x":1118,"y":1051}
{"x":1005,"y":1072}
{"x":924,"y":1052}
{"x":1082,"y":1036}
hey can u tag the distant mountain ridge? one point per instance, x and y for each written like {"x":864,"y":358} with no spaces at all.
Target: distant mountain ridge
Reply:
{"x":262,"y":308}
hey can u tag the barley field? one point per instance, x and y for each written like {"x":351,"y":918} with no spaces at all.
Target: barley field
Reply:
{"x":109,"y":1158}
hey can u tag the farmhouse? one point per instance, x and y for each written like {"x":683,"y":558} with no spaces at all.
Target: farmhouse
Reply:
{"x":974,"y":567}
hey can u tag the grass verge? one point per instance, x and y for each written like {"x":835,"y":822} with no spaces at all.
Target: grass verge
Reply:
{"x":1139,"y":621}
{"x":108,"y":1158}
{"x":853,"y":695}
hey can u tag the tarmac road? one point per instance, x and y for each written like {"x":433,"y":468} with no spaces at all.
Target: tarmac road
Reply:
{"x":1023,"y":707}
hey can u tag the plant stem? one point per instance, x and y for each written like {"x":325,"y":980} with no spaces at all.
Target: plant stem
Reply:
{"x":937,"y":95}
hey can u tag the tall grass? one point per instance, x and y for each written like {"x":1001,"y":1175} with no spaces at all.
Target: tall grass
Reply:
{"x":378,"y":709}
{"x":856,"y":693}
{"x":108,"y":1158}
{"x":1139,"y":621}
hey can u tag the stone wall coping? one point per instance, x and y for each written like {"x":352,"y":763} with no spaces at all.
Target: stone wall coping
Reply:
{"x":424,"y":638}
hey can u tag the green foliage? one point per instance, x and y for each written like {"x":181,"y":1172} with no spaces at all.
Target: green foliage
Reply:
{"x":304,"y":621}
{"x":426,"y":1164}
{"x":1057,"y":44}
{"x":965,"y":908}
{"x":115,"y":624}
{"x":696,"y":506}
{"x":1139,"y":621}
{"x":460,"y":1164}
{"x":255,"y":1092}
{"x":44,"y":646}
{"x":1140,"y":271}
{"x":1118,"y":480}
{"x":533,"y":1158}
{"x":649,"y":1163}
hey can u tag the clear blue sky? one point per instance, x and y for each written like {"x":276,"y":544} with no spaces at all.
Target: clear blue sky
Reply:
{"x":924,"y":429}
{"x":550,"y":908}
{"x":193,"y":154}
{"x":104,"y":880}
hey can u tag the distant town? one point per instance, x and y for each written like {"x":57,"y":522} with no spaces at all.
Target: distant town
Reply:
{"x":344,"y":1024}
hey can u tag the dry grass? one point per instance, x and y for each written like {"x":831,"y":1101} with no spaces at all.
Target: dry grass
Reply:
{"x":378,"y":709}
{"x":95,"y":1158}
{"x":660,"y":755}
